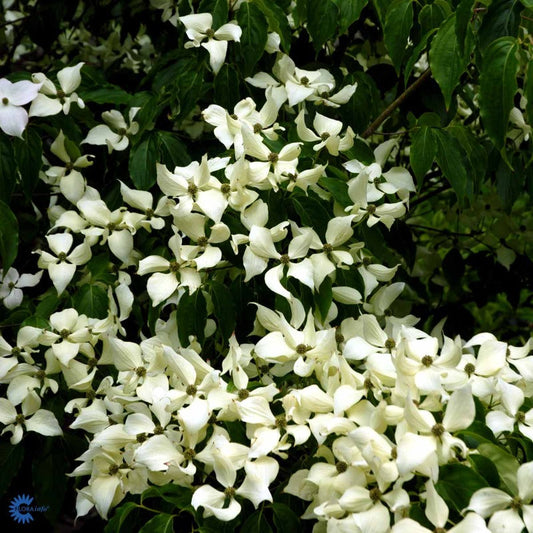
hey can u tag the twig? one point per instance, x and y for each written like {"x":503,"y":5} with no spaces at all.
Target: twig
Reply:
{"x":388,"y":111}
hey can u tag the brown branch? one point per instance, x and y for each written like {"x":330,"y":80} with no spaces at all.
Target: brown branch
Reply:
{"x":388,"y":111}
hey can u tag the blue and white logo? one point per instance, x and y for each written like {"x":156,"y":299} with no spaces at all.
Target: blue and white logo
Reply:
{"x":21,"y":508}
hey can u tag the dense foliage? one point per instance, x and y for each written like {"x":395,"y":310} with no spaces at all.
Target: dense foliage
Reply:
{"x":266,"y":266}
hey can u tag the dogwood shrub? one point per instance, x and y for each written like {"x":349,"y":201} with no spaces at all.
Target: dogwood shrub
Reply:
{"x":218,"y":223}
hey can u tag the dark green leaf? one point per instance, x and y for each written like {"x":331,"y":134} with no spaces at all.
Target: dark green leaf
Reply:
{"x":191,"y":317}
{"x":227,"y":92}
{"x":321,"y":21}
{"x":528,"y":93}
{"x":142,"y":162}
{"x":8,"y":166}
{"x":224,"y":308}
{"x":173,"y":153}
{"x":416,"y":53}
{"x":381,"y":7}
{"x":9,"y":236}
{"x":505,"y":463}
{"x":107,"y":95}
{"x":277,"y":21}
{"x":324,"y":297}
{"x":398,"y":24}
{"x":10,"y":461}
{"x":28,"y":154}
{"x":447,"y":64}
{"x":510,"y":181}
{"x":312,"y":213}
{"x":119,"y":518}
{"x":179,"y":496}
{"x":47,"y":305}
{"x":501,"y":19}
{"x":432,"y":15}
{"x":349,"y":12}
{"x":285,"y":519}
{"x":161,"y":523}
{"x":254,"y":35}
{"x":49,"y":478}
{"x":498,"y":87}
{"x":463,"y":15}
{"x":423,"y":152}
{"x":450,"y":158}
{"x":457,"y":483}
{"x":338,"y":189}
{"x":256,"y":523}
{"x":91,"y":300}
{"x":486,"y":468}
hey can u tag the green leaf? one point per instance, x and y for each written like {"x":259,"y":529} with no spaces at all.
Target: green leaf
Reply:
{"x":119,"y":518}
{"x":486,"y":468}
{"x":173,"y":153}
{"x":143,"y":158}
{"x":256,"y":523}
{"x":254,"y":35}
{"x":107,"y":95}
{"x":285,"y":519}
{"x":161,"y":523}
{"x":322,"y":18}
{"x":338,"y":189}
{"x":179,"y":496}
{"x":450,"y":158}
{"x":528,"y":93}
{"x":277,"y":21}
{"x":505,"y":463}
{"x":423,"y":152}
{"x":191,"y":317}
{"x":227,"y":92}
{"x":463,"y":15}
{"x":47,"y":305}
{"x":416,"y":53}
{"x":501,"y":19}
{"x":10,"y":462}
{"x":9,"y":235}
{"x":432,"y":15}
{"x":457,"y":483}
{"x":349,"y":12}
{"x":8,"y":165}
{"x":398,"y":24}
{"x":28,"y":154}
{"x":498,"y":87}
{"x":324,"y":297}
{"x":91,"y":300}
{"x":447,"y":64}
{"x":49,"y":471}
{"x":381,"y":7}
{"x":224,"y":308}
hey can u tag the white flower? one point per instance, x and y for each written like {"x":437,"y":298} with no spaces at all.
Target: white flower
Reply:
{"x":51,"y":101}
{"x":13,"y":118}
{"x":199,"y":27}
{"x":116,"y":133}
{"x":11,"y":284}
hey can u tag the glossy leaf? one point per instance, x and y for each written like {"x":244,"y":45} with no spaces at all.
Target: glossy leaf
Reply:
{"x":8,"y":168}
{"x":191,"y":316}
{"x":224,"y":308}
{"x":501,"y":19}
{"x":254,"y":35}
{"x":91,"y":300}
{"x":498,"y":87}
{"x":161,"y":523}
{"x":9,"y":236}
{"x":446,"y":62}
{"x":450,"y":158}
{"x":423,"y":152}
{"x":398,"y":24}
{"x":28,"y":154}
{"x":277,"y":21}
{"x":322,"y":18}
{"x":142,"y":162}
{"x":349,"y":12}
